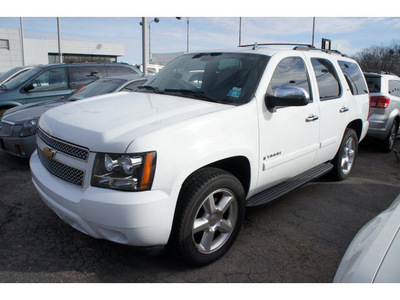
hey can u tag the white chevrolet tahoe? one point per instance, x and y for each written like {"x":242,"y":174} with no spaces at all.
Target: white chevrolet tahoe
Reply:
{"x":177,"y":162}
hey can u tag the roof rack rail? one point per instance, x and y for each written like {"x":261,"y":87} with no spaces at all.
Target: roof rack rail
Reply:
{"x":277,"y":44}
{"x":303,"y":47}
{"x":379,"y":72}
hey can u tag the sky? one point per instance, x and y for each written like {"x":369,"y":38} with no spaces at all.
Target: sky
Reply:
{"x":209,"y":28}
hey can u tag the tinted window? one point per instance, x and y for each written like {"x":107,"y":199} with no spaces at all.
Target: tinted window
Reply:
{"x":290,"y":72}
{"x":51,"y":80}
{"x":354,"y":77}
{"x":394,"y":88}
{"x":133,"y":85}
{"x":83,"y":75}
{"x":327,"y":79}
{"x":374,"y":83}
{"x":120,"y":70}
{"x":17,"y":81}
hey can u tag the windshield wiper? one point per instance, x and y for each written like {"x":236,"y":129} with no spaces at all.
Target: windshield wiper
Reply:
{"x":151,"y":88}
{"x":200,"y":94}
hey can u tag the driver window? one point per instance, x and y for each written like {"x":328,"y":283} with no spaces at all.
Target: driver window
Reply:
{"x":290,"y":72}
{"x":51,"y":80}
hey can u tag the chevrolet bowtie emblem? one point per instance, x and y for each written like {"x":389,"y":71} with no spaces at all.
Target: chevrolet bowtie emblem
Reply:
{"x":49,"y":152}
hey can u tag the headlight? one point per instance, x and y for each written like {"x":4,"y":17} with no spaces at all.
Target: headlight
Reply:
{"x":130,"y":172}
{"x":29,"y":127}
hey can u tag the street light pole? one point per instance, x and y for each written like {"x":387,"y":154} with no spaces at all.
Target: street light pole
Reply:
{"x":313,"y":31}
{"x":240,"y":31}
{"x":187,"y":38}
{"x":22,"y":41}
{"x":59,"y":40}
{"x":144,"y":45}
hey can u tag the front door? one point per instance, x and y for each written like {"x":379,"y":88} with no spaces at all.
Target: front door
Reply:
{"x":288,"y":135}
{"x":50,"y":84}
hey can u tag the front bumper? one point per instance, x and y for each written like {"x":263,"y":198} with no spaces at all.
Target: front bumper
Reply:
{"x":131,"y":218}
{"x":18,"y":146}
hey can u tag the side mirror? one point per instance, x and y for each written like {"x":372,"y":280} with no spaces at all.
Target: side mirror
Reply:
{"x":287,"y":96}
{"x":29,"y":87}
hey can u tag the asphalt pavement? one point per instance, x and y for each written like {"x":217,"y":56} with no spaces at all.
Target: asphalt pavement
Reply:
{"x":299,"y":238}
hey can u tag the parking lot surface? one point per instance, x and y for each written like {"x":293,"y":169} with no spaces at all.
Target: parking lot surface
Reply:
{"x":299,"y":238}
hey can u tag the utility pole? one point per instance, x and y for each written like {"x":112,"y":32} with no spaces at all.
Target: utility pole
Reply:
{"x":22,"y":41}
{"x":144,"y":45}
{"x":313,"y":31}
{"x":240,"y":31}
{"x":59,"y":40}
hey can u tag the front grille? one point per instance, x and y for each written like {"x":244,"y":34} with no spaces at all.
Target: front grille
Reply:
{"x":61,"y":146}
{"x":6,"y":129}
{"x":62,"y":171}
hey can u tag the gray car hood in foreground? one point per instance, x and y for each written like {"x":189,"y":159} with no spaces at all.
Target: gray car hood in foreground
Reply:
{"x":21,"y":113}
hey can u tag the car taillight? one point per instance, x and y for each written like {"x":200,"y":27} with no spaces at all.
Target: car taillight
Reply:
{"x":379,"y":101}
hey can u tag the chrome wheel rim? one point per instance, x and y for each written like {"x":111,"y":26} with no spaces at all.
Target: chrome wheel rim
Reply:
{"x":392,"y":136}
{"x":348,"y":156}
{"x":215,"y":221}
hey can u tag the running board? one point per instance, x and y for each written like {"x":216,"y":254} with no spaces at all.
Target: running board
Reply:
{"x":289,"y":185}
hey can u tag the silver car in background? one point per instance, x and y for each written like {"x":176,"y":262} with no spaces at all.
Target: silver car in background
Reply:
{"x":18,"y":124}
{"x":374,"y":253}
{"x":384,"y":118}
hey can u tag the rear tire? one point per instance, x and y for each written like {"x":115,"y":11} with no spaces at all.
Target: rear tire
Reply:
{"x":209,"y":215}
{"x":388,"y":142}
{"x":345,"y":158}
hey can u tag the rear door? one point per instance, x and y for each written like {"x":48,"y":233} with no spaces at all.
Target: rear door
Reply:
{"x":333,"y":106}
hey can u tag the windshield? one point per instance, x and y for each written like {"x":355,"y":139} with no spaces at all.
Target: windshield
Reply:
{"x":98,"y":87}
{"x":17,"y":81}
{"x":229,"y":78}
{"x":7,"y":74}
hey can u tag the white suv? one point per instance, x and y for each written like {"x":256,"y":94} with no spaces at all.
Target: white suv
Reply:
{"x":384,"y":119}
{"x":213,"y":132}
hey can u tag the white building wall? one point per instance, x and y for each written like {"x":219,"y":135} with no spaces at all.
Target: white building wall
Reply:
{"x":37,"y":50}
{"x":10,"y":58}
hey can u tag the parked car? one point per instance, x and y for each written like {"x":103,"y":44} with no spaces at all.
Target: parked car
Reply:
{"x":384,"y":119}
{"x":18,"y":124}
{"x":10,"y":74}
{"x":176,"y":163}
{"x":374,"y":253}
{"x":49,"y":82}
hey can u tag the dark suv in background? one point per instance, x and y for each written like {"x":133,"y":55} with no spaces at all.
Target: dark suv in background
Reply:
{"x":46,"y":82}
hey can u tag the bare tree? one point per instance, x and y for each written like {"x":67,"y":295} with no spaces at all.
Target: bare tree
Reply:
{"x":380,"y":58}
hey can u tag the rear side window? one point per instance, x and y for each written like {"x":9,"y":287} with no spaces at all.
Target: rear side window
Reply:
{"x":354,"y":77}
{"x":374,"y":83}
{"x":83,"y":75}
{"x":291,"y":71}
{"x":120,"y":70}
{"x":394,"y":88}
{"x":327,"y":79}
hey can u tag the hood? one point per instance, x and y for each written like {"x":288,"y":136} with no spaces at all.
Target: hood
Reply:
{"x":109,"y":123}
{"x":21,"y":113}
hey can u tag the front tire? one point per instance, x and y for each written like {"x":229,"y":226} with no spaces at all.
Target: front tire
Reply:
{"x":209,"y":215}
{"x":345,"y":158}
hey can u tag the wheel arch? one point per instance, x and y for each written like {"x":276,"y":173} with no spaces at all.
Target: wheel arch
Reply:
{"x":238,"y":166}
{"x":357,"y":126}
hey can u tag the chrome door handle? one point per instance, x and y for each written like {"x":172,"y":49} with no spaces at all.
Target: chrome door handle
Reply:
{"x":344,"y":109}
{"x":311,"y":118}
